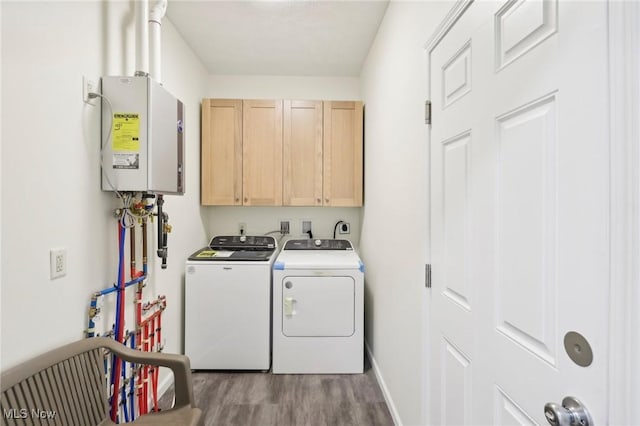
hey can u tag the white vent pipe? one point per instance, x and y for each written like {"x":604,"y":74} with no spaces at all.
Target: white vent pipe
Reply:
{"x":156,"y":14}
{"x":142,"y":38}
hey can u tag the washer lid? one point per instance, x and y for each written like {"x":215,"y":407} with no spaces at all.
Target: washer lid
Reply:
{"x":321,"y":259}
{"x":208,"y":254}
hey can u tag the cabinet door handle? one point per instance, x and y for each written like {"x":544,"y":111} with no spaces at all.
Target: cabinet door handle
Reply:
{"x":318,"y":200}
{"x":326,"y":200}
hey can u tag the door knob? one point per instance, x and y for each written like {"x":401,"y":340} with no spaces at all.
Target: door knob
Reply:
{"x":570,"y":413}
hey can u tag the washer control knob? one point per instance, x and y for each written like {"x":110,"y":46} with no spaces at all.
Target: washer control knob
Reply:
{"x":318,"y":243}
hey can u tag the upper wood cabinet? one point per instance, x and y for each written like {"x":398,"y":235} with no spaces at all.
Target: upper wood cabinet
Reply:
{"x":342,"y":169}
{"x":221,"y":152}
{"x":262,"y":153}
{"x":302,"y":153}
{"x":273,"y":153}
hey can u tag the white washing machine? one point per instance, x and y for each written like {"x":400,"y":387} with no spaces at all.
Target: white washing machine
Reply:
{"x":227,"y":309}
{"x":318,"y":308}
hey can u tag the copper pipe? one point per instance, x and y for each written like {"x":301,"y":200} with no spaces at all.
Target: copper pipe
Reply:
{"x":144,"y":245}
{"x":132,"y":247}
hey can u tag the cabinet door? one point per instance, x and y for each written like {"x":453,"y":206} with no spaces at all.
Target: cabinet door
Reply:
{"x":342,"y":171}
{"x":221,"y":167}
{"x":262,"y":152}
{"x":302,"y":153}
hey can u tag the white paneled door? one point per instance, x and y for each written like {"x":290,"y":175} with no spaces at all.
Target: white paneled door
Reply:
{"x":520,"y":212}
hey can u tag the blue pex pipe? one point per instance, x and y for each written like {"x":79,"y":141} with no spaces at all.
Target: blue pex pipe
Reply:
{"x":120,"y":278}
{"x":127,"y":284}
{"x":124,"y":392}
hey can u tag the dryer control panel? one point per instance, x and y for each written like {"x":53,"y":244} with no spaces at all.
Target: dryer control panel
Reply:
{"x":319,"y":244}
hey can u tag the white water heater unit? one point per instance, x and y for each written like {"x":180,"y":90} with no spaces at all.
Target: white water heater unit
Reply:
{"x":142,"y":137}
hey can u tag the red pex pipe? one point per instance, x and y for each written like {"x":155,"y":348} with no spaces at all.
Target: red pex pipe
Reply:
{"x":145,"y":386}
{"x":147,"y":376}
{"x":152,"y":369}
{"x":156,"y":369}
{"x":159,"y":330}
{"x":148,"y":320}
{"x":140,"y":342}
{"x":159,"y":349}
{"x":139,"y":316}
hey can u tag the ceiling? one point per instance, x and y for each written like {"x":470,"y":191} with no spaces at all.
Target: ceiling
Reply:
{"x":286,"y":37}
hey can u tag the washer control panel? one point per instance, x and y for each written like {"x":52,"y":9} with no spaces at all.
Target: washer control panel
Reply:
{"x":318,"y":244}
{"x":243,"y":242}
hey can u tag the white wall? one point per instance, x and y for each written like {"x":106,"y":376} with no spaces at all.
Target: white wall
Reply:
{"x":1,"y":180}
{"x":51,"y":177}
{"x":284,"y":87}
{"x":51,"y":193}
{"x":394,"y":240}
{"x":223,"y":220}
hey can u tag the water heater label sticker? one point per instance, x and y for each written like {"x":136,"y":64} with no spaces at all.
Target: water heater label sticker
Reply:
{"x":126,"y":160}
{"x":125,"y":133}
{"x":125,"y":140}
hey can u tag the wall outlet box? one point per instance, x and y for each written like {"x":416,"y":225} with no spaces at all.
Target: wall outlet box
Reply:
{"x":88,"y":86}
{"x":58,"y":263}
{"x":284,"y":227}
{"x":344,"y":228}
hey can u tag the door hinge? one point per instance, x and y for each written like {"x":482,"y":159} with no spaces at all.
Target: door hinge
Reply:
{"x":427,"y":112}
{"x":427,"y":275}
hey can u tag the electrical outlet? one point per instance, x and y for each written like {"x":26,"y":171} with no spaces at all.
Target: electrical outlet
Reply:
{"x":284,"y":227}
{"x":344,"y":228}
{"x":88,"y":86}
{"x":242,"y":228}
{"x":58,"y":263}
{"x":306,"y":226}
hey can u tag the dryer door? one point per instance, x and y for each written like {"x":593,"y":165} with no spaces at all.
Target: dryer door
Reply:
{"x":318,"y":306}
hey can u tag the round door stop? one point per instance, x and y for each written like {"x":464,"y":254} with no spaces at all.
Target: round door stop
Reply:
{"x":578,"y":349}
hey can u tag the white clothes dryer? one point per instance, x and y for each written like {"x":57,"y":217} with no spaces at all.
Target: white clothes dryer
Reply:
{"x":318,"y":308}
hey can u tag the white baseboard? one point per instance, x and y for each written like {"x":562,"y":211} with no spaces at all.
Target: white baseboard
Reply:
{"x":164,"y":385}
{"x":383,"y":386}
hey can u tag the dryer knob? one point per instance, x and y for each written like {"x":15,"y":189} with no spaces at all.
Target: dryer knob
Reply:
{"x":318,"y":243}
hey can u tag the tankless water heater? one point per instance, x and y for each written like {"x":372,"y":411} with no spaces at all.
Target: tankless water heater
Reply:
{"x":142,"y":137}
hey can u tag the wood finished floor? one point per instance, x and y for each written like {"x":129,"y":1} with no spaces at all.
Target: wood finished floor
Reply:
{"x":261,"y":399}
